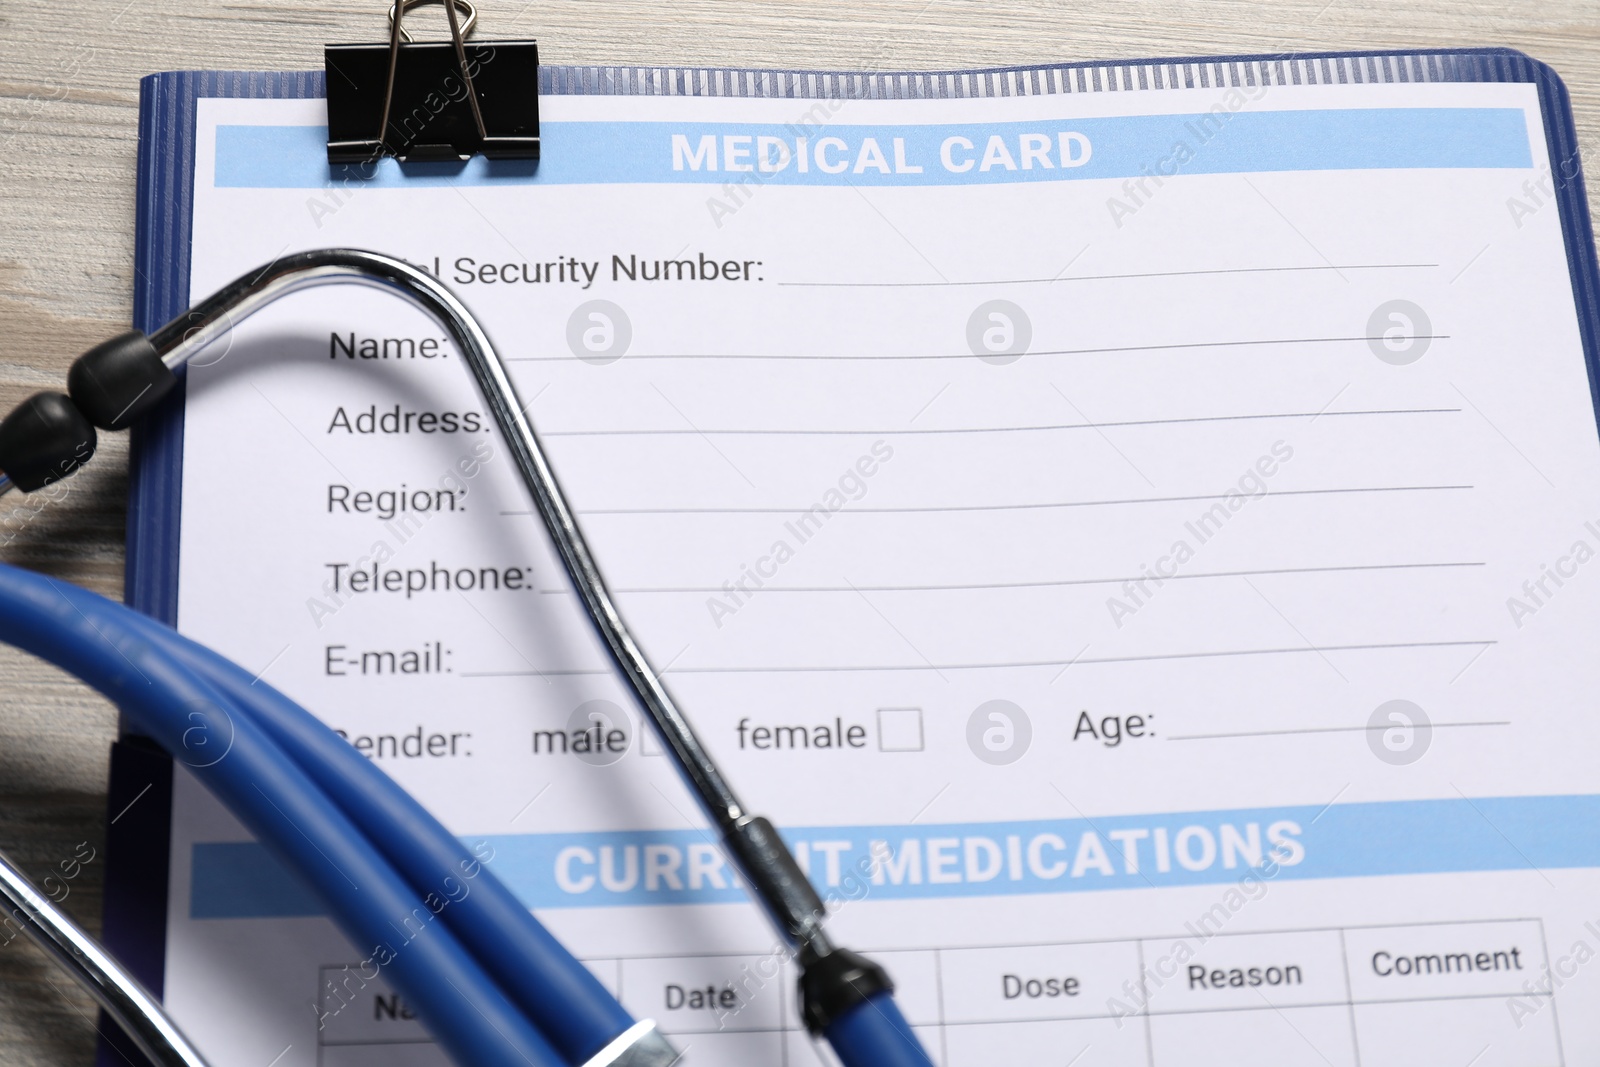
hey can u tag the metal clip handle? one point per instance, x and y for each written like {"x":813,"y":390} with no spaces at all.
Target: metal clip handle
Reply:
{"x":397,"y":12}
{"x":397,"y":15}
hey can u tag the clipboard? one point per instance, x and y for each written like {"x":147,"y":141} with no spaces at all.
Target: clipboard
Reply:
{"x":140,"y":793}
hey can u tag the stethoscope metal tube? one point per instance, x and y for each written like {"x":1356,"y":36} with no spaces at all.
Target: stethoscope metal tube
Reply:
{"x":779,"y":885}
{"x":138,"y":1013}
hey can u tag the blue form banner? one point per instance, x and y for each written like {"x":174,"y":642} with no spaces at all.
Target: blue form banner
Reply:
{"x":1150,"y":147}
{"x":1245,"y":847}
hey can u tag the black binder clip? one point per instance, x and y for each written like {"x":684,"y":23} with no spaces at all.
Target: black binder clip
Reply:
{"x":439,"y":101}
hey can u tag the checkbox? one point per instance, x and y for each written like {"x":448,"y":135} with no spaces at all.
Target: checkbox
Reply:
{"x":900,"y":729}
{"x":649,"y":743}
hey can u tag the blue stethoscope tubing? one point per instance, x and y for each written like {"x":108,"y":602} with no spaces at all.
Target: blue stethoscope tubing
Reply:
{"x":229,"y":751}
{"x":561,"y":996}
{"x":488,"y":979}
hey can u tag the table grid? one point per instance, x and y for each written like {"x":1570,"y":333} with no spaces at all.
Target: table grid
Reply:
{"x":1366,"y":996}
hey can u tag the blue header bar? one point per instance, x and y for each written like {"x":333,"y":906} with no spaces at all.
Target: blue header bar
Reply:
{"x":1242,"y":847}
{"x":1150,"y":147}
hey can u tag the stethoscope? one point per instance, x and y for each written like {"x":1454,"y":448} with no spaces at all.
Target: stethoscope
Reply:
{"x":493,"y":986}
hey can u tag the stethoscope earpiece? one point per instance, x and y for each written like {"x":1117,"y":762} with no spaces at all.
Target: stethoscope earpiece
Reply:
{"x":44,"y":439}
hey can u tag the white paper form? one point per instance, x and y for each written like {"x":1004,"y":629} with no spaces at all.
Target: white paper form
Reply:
{"x":1137,"y":545}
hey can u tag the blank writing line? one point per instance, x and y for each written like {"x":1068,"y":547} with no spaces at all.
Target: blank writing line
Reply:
{"x":1009,"y":507}
{"x":569,"y":672}
{"x":1117,"y":277}
{"x":936,"y":667}
{"x":1042,"y":428}
{"x":1318,"y":730}
{"x":968,"y":355}
{"x":1047,"y":584}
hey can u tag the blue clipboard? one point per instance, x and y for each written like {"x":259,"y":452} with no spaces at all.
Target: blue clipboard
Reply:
{"x":139,"y":804}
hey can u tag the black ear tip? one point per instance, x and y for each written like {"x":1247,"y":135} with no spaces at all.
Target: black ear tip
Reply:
{"x":117,"y":381}
{"x":44,"y":439}
{"x":51,"y":435}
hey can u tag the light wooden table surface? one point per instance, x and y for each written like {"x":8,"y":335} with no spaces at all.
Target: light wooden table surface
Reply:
{"x":69,"y":73}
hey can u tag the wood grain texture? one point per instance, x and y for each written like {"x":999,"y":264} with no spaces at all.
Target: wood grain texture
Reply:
{"x":69,"y":72}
